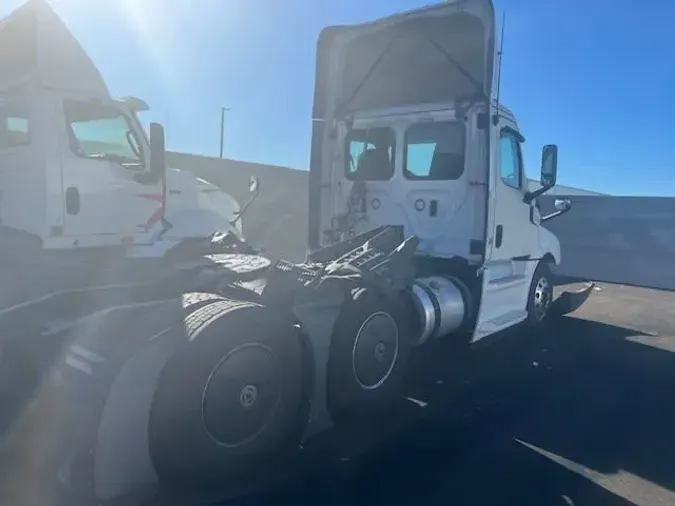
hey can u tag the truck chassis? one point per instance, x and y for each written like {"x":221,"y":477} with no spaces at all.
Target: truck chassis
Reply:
{"x":138,"y":394}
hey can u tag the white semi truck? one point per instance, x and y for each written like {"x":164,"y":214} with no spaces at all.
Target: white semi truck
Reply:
{"x":421,"y":231}
{"x":77,"y":169}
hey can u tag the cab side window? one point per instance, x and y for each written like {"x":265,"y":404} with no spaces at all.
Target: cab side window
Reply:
{"x":14,"y":125}
{"x":510,"y":162}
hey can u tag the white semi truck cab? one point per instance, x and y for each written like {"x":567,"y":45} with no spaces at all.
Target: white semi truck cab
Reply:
{"x":408,"y":130}
{"x":76,"y":165}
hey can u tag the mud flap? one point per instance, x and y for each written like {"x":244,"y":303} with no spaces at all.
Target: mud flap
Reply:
{"x":317,"y":313}
{"x":82,"y":438}
{"x":570,"y":301}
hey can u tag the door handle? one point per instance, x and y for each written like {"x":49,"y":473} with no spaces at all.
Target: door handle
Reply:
{"x":498,"y":236}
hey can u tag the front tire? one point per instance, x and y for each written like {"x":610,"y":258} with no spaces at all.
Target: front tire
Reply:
{"x":540,"y":296}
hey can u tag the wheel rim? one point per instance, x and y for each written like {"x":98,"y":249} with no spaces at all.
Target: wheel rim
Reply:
{"x":242,"y":395}
{"x":543,"y":296}
{"x":375,"y":350}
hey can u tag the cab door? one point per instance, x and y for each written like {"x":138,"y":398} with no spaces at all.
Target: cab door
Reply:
{"x":102,"y":156}
{"x":512,"y":245}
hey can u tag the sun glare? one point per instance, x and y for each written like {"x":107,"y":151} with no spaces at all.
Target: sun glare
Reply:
{"x":143,"y":16}
{"x":152,"y":21}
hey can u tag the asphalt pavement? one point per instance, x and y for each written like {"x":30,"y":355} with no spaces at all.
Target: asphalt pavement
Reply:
{"x":581,"y":414}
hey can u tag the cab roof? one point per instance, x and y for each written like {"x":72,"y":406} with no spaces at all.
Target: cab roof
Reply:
{"x":38,"y":49}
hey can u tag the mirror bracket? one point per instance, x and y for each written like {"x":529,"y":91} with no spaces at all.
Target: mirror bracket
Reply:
{"x":531,"y":195}
{"x":554,"y":215}
{"x":254,"y":189}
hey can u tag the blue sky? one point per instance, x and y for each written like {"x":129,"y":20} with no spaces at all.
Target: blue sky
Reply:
{"x":597,"y":77}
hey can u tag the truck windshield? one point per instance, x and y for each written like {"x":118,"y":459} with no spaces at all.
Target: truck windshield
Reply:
{"x":102,"y":132}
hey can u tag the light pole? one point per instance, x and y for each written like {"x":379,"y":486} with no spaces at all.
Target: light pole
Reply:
{"x":222,"y":127}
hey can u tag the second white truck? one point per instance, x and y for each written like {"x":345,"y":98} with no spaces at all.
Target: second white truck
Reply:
{"x":77,"y":169}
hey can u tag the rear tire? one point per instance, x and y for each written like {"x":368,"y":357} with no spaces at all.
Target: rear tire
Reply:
{"x":195,"y":300}
{"x":369,"y":350}
{"x":540,"y":296}
{"x":228,"y":403}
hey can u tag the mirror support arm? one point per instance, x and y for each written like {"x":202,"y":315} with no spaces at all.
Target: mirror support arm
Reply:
{"x":531,"y":195}
{"x":256,"y":191}
{"x":254,"y":188}
{"x":242,"y":210}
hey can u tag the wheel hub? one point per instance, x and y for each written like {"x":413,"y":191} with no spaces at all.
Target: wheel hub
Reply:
{"x":380,"y":351}
{"x":248,"y":396}
{"x":375,"y":350}
{"x":543,"y":297}
{"x":242,"y":395}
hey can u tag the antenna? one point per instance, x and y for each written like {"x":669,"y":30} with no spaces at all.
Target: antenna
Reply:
{"x":499,"y":69}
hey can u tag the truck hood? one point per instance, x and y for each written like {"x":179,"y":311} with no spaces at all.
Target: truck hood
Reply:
{"x":206,"y":188}
{"x":439,"y":53}
{"x":187,"y":192}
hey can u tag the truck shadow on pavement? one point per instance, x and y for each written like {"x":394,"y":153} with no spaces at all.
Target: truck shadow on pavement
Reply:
{"x":582,"y":415}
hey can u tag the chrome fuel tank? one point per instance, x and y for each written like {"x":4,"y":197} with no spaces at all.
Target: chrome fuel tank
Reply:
{"x":443,"y":304}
